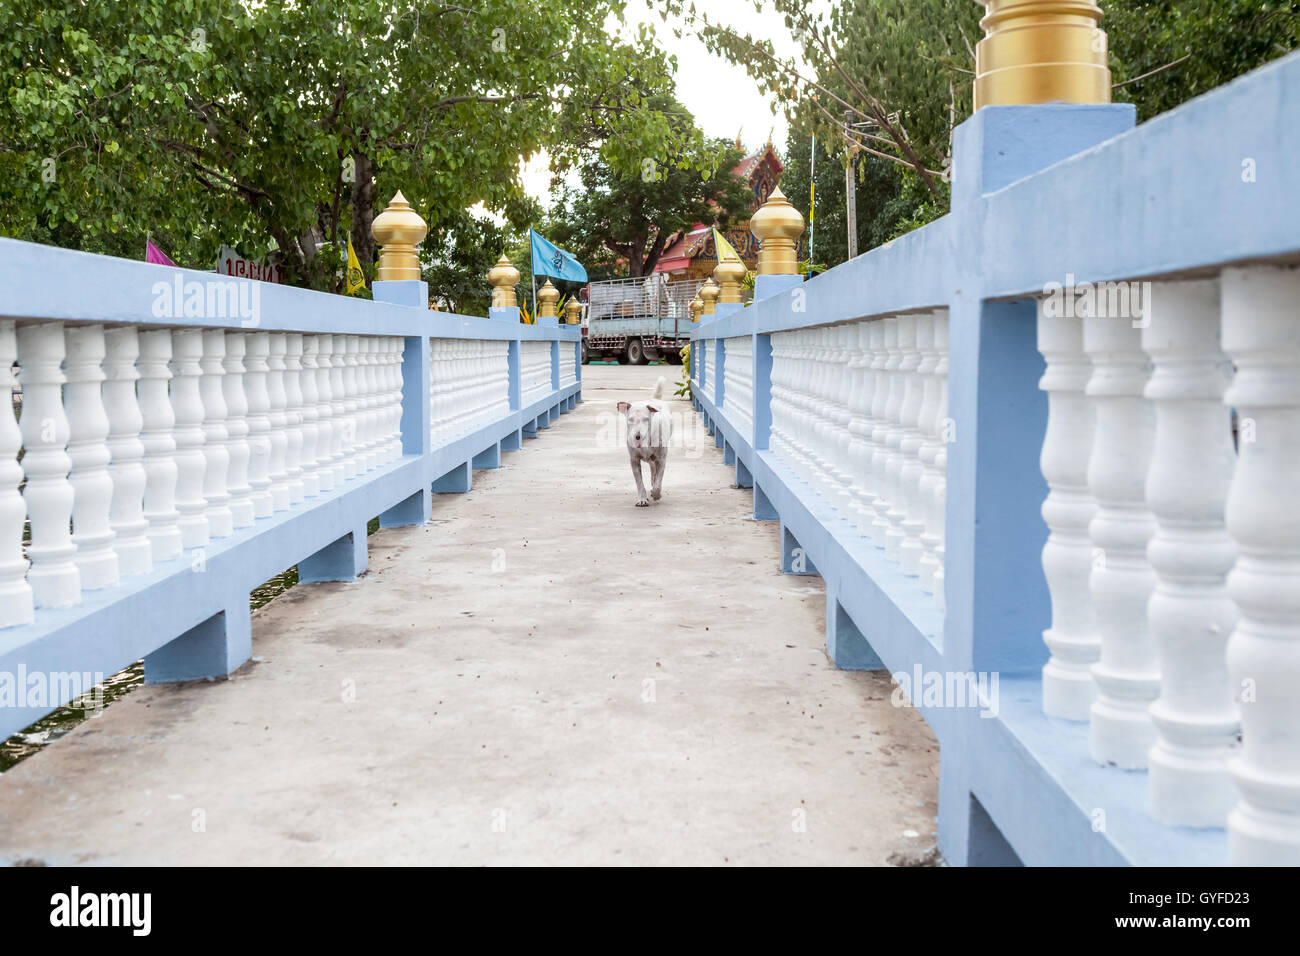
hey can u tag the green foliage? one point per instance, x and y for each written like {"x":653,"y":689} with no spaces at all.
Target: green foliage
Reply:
{"x":1221,"y":39}
{"x":902,"y":70}
{"x":281,"y":125}
{"x":685,"y":385}
{"x":619,"y":222}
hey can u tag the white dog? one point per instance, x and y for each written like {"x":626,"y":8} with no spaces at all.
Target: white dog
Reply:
{"x":649,"y":429}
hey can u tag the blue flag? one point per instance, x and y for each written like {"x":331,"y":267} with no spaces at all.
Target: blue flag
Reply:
{"x":550,"y":260}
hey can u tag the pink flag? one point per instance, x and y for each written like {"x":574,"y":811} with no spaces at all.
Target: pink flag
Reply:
{"x":153,"y":254}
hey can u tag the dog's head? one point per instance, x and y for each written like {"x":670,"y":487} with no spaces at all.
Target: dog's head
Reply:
{"x":638,"y":422}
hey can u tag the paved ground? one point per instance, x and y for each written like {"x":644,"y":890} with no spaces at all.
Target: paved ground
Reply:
{"x":546,"y":674}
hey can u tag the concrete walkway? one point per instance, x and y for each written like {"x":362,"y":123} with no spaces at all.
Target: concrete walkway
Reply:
{"x":544,"y":675}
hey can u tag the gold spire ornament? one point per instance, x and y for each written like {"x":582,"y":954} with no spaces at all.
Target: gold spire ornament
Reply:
{"x":573,"y":311}
{"x":547,"y":296}
{"x":503,"y":277}
{"x":398,"y":230}
{"x":696,"y":307}
{"x":709,"y":295}
{"x":1041,"y":51}
{"x":777,"y":226}
{"x":730,"y":271}
{"x":729,"y":274}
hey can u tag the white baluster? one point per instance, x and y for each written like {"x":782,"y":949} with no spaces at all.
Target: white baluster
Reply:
{"x":216,"y":435}
{"x":887,"y":433}
{"x":310,"y":418}
{"x":845,"y":486}
{"x":278,"y":435}
{"x":158,"y":437}
{"x":126,"y":452}
{"x":16,"y":604}
{"x":946,"y":434}
{"x":352,"y":429}
{"x":327,"y":442}
{"x":860,"y":512}
{"x":237,"y":447}
{"x":1261,"y":334}
{"x":1073,"y":638}
{"x":257,"y":351}
{"x":293,"y":416}
{"x":92,"y":488}
{"x":932,"y":426}
{"x":1190,"y":613}
{"x":187,"y":404}
{"x":398,"y":347}
{"x":917,"y":415}
{"x":435,"y":390}
{"x":53,"y":576}
{"x":903,"y":427}
{"x":366,"y":404}
{"x":1127,"y":674}
{"x":345,"y":425}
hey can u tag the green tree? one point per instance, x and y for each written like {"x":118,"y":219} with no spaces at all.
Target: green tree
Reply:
{"x":888,"y":81}
{"x":1164,"y":52}
{"x":287,"y":125}
{"x":619,"y":216}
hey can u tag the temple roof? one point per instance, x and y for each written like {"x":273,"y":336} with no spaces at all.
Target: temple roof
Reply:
{"x":761,"y":168}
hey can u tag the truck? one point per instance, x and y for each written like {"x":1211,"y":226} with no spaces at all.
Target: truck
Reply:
{"x":638,"y":320}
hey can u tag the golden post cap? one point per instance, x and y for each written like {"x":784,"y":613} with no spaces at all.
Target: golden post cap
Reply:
{"x":1041,"y":51}
{"x":399,"y":229}
{"x":504,"y":277}
{"x":547,"y":296}
{"x":777,"y":226}
{"x":729,"y":274}
{"x":709,"y":294}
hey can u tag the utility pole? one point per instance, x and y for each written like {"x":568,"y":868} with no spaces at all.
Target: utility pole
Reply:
{"x":851,"y":191}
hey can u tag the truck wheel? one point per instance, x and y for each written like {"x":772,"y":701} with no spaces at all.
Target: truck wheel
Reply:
{"x":622,"y":357}
{"x":635,"y":353}
{"x":586,"y":356}
{"x":674,"y":358}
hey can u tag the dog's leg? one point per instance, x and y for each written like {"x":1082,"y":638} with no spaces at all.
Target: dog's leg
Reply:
{"x":641,"y":499}
{"x":657,"y":466}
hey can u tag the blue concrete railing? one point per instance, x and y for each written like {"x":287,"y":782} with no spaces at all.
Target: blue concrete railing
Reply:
{"x":1043,"y":196}
{"x":187,"y":615}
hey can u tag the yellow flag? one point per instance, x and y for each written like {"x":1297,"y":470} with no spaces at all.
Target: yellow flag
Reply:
{"x":356,"y":278}
{"x":725,"y":252}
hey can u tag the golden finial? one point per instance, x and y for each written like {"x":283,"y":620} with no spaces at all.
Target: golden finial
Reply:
{"x":729,"y":274}
{"x":503,"y":277}
{"x":777,"y":225}
{"x":696,"y":307}
{"x":547,"y":296}
{"x":398,"y":230}
{"x":573,"y":311}
{"x":709,"y":294}
{"x":1041,"y":51}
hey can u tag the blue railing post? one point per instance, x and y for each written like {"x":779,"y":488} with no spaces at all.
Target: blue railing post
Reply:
{"x":762,"y":392}
{"x":415,"y":424}
{"x":995,"y":596}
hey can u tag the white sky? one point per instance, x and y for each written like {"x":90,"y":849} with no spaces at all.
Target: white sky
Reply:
{"x":722,"y":97}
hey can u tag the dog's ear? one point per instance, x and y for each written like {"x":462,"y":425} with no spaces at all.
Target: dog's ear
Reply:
{"x":653,"y":406}
{"x":623,"y":407}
